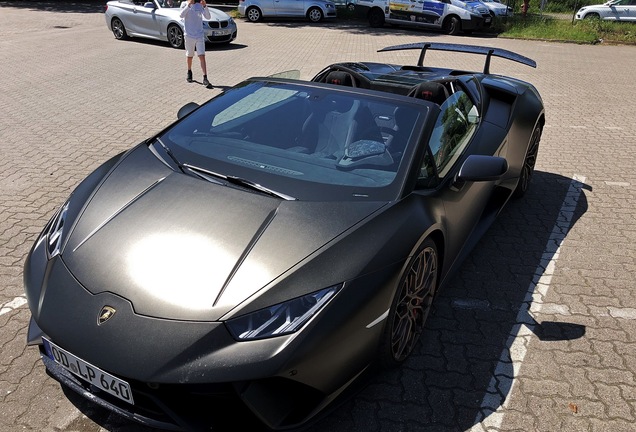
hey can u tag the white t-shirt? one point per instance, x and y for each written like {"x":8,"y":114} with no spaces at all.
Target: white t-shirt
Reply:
{"x":193,"y":20}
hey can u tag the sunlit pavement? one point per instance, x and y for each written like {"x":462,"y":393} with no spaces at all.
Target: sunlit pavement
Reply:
{"x":536,"y":332}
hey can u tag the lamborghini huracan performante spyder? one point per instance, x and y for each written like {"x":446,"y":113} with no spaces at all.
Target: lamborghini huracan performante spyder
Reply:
{"x":271,"y":245}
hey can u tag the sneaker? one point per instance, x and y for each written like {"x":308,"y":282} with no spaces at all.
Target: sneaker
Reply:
{"x":189,"y":79}
{"x":205,"y":81}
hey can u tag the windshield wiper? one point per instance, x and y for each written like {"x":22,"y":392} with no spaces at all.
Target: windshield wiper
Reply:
{"x":212,"y":176}
{"x":168,"y":152}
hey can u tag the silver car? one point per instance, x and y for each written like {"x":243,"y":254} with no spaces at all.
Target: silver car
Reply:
{"x":614,"y":10}
{"x":497,"y":9}
{"x":313,"y":10}
{"x":160,"y":20}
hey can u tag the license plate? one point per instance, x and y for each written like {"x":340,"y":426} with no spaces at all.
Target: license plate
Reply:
{"x":488,"y":20}
{"x":220,"y":32}
{"x":86,"y":371}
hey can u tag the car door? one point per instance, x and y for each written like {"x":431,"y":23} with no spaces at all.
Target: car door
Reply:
{"x":433,"y":12}
{"x":464,"y":202}
{"x":625,"y":10}
{"x":290,"y":7}
{"x":146,"y":19}
{"x":631,"y":11}
{"x":268,"y":7}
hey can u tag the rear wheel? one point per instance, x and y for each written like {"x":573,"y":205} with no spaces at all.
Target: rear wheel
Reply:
{"x":411,"y":306}
{"x":528,"y":164}
{"x":254,"y":14}
{"x":118,"y":29}
{"x":452,"y":26}
{"x":175,"y":36}
{"x":314,"y":14}
{"x":376,"y":18}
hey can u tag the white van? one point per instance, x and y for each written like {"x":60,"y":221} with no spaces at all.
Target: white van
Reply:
{"x":450,"y":16}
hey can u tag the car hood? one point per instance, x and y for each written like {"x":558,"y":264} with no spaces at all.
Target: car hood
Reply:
{"x":178,"y":247}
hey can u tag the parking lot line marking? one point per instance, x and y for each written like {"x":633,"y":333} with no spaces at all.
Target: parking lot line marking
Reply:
{"x":501,"y":384}
{"x":13,"y":304}
{"x":617,"y":183}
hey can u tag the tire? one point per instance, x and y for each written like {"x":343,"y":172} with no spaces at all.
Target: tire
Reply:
{"x":175,"y":36}
{"x":253,"y":14}
{"x":118,"y":29}
{"x":410,"y":307}
{"x":314,"y":15}
{"x":593,"y":16}
{"x":452,"y":25}
{"x":376,"y":18}
{"x":525,"y":177}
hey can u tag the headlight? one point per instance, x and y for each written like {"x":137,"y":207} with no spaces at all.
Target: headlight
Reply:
{"x":53,"y":232}
{"x":231,"y":21}
{"x":330,"y":6}
{"x":280,"y":319}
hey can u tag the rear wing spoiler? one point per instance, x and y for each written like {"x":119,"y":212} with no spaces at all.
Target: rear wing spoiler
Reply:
{"x":472,"y":49}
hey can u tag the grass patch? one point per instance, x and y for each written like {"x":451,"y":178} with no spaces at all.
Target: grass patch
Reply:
{"x":548,"y":28}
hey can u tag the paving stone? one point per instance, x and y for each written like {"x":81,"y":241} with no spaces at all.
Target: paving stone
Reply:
{"x":73,"y":97}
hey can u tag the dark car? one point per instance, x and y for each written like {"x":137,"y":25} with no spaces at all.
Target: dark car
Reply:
{"x":277,"y":241}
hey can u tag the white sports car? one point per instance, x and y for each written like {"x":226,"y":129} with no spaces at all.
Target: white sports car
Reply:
{"x":159,"y":19}
{"x":613,"y":10}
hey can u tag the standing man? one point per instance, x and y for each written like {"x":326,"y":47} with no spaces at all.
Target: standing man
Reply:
{"x":193,"y":15}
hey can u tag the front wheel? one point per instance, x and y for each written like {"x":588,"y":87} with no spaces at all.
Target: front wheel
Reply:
{"x":253,"y":14}
{"x":314,"y":14}
{"x":118,"y":29}
{"x":452,"y":26}
{"x":411,"y":306}
{"x":175,"y":36}
{"x":593,"y":16}
{"x":528,"y":164}
{"x":376,"y":18}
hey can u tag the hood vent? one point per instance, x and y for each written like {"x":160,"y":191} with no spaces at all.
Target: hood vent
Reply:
{"x":54,"y":232}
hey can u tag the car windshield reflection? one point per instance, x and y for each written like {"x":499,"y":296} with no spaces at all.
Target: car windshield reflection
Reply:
{"x":291,"y":137}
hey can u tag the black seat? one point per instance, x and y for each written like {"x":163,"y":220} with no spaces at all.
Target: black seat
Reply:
{"x":340,"y":78}
{"x":430,"y":91}
{"x":404,"y":120}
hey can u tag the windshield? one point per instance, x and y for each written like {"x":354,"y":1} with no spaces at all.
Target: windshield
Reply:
{"x":309,"y":142}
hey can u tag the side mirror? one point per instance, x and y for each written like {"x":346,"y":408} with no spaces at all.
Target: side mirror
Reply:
{"x":187,"y":109}
{"x":482,"y":168}
{"x":150,"y":5}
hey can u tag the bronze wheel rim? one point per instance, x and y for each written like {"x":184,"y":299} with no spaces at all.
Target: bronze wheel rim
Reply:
{"x":414,"y":303}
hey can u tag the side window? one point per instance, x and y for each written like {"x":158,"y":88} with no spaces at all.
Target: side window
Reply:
{"x":455,"y":126}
